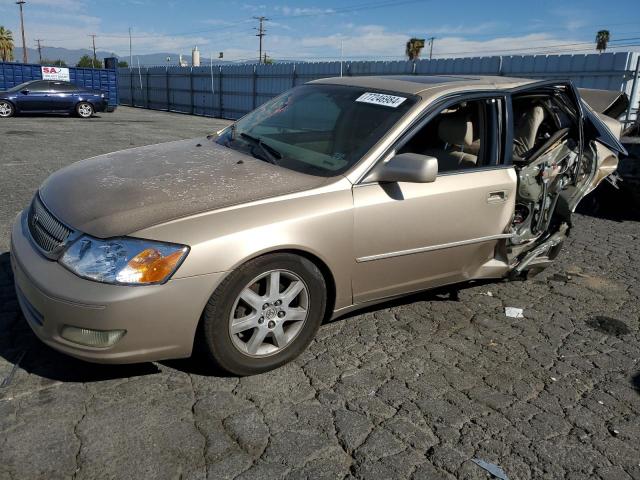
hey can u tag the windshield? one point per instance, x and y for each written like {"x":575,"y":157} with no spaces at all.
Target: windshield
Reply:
{"x":317,"y":129}
{"x":17,"y":88}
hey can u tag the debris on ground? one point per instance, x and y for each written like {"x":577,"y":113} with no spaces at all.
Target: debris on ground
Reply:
{"x":513,"y":312}
{"x":16,"y":365}
{"x":493,"y":469}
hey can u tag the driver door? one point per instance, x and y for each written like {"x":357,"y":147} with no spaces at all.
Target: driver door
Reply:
{"x":35,"y":97}
{"x":412,"y":236}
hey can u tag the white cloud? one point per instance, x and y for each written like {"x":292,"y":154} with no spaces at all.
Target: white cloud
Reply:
{"x":299,"y":11}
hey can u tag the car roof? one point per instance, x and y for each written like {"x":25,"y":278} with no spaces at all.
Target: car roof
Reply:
{"x":418,"y":84}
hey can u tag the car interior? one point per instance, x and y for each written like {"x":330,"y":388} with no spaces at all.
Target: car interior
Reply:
{"x":546,"y":156}
{"x":456,"y":137}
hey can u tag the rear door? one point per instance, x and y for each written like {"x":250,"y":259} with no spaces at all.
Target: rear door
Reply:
{"x":411,"y":236}
{"x":62,"y":96}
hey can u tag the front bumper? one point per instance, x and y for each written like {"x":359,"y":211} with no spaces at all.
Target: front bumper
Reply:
{"x":160,"y":320}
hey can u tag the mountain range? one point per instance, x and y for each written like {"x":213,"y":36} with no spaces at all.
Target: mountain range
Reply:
{"x":71,"y":56}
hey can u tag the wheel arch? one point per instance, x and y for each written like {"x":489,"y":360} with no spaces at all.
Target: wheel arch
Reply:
{"x":324,"y":268}
{"x":83,"y":100}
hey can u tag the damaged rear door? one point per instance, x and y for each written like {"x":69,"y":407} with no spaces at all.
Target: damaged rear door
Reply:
{"x":561,"y":151}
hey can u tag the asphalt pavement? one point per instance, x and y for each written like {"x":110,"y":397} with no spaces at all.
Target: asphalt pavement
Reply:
{"x":417,"y":388}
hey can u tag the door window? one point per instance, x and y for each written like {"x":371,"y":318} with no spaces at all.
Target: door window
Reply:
{"x":462,"y":136}
{"x":63,"y":87}
{"x":41,"y":86}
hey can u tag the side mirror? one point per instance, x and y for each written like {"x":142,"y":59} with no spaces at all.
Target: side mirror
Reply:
{"x":406,"y":167}
{"x":24,"y":92}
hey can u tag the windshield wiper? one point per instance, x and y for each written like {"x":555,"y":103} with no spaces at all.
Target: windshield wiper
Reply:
{"x":271,"y":154}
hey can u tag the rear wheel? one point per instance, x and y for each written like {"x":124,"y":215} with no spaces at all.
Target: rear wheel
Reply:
{"x":6,"y":109}
{"x":264,"y":314}
{"x":84,"y":109}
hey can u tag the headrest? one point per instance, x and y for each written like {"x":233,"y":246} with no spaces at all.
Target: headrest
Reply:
{"x":456,"y":129}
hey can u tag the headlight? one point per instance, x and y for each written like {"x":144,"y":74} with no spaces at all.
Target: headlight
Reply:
{"x":124,"y":261}
{"x":102,"y":95}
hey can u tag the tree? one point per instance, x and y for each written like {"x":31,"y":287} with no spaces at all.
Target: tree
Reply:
{"x":57,"y":63}
{"x":87,"y":62}
{"x":6,"y":44}
{"x":602,"y":39}
{"x":123,"y":64}
{"x":414,"y":46}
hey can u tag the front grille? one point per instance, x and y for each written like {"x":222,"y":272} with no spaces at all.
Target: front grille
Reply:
{"x":46,"y":230}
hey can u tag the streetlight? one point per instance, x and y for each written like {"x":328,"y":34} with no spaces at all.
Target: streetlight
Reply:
{"x":24,"y":43}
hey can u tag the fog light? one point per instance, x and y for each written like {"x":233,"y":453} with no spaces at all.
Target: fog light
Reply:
{"x":92,"y":338}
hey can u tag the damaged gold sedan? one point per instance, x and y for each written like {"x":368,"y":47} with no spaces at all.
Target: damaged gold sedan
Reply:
{"x":335,"y":195}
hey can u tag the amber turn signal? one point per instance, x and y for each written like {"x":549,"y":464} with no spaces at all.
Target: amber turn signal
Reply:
{"x":150,"y":266}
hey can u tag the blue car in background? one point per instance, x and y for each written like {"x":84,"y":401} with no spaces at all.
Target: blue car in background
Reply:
{"x":52,"y":96}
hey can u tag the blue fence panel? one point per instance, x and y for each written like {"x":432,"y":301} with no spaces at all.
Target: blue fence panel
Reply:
{"x":230,"y":91}
{"x":12,"y":74}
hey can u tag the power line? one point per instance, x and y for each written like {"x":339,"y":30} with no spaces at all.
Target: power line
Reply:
{"x":242,"y":23}
{"x":524,"y":49}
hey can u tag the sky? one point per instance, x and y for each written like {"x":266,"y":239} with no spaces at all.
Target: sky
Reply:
{"x":321,"y":30}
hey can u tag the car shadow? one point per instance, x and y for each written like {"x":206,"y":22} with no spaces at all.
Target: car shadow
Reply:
{"x":52,"y":115}
{"x":449,"y":293}
{"x":635,"y":382}
{"x":609,"y":203}
{"x":19,"y":345}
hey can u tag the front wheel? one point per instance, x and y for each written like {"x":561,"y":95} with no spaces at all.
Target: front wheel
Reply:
{"x":6,"y":109}
{"x":264,"y":314}
{"x":84,"y":110}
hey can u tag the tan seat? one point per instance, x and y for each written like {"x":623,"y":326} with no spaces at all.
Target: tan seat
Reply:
{"x":456,"y":131}
{"x":526,"y":131}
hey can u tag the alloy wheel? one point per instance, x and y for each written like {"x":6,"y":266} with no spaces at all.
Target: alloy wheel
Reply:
{"x":85,"y":110}
{"x":6,"y":109}
{"x":269,"y":313}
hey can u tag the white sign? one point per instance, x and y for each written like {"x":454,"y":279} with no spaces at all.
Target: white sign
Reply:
{"x":55,"y":73}
{"x":381,"y":99}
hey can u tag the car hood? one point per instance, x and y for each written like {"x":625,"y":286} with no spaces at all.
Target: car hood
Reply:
{"x":122,"y":192}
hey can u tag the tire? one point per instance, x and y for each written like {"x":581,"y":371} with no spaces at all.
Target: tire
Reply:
{"x":271,"y":333}
{"x":6,"y":109}
{"x":84,"y":110}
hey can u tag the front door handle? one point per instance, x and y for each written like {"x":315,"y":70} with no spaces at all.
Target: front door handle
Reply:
{"x":497,"y":197}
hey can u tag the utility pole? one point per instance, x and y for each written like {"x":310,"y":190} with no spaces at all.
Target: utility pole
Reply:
{"x":261,"y":33}
{"x":24,"y":43}
{"x":130,"y":50}
{"x":431,"y":39}
{"x":95,"y":59}
{"x":39,"y":50}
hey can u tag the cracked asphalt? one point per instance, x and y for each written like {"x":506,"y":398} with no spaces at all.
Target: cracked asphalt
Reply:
{"x":416,"y":388}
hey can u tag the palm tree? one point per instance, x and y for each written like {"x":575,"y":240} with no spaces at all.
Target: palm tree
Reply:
{"x":602,"y":39}
{"x":413,"y":48}
{"x":6,"y":44}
